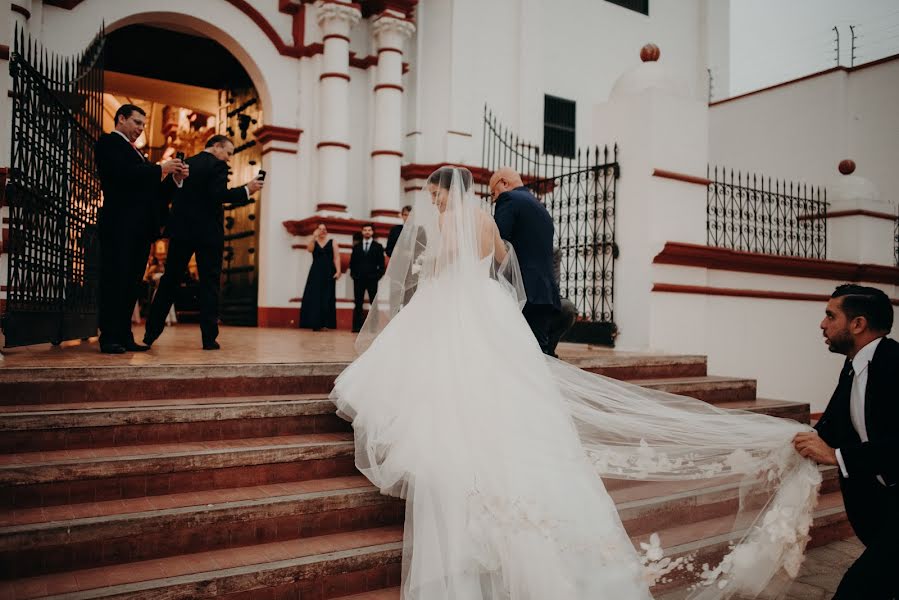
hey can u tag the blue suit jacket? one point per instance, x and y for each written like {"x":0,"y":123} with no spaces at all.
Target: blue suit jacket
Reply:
{"x":525,"y":223}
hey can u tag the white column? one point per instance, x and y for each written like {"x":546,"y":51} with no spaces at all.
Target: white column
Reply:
{"x":335,"y":19}
{"x":860,"y":225}
{"x":390,"y":33}
{"x":659,"y":127}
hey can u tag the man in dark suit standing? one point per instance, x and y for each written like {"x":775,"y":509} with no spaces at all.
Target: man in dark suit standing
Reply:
{"x":396,"y":230}
{"x":196,"y":226}
{"x":366,"y":268}
{"x":134,"y":193}
{"x":525,"y":223}
{"x":859,"y":432}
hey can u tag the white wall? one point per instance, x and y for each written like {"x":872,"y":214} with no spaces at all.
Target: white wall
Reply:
{"x":776,"y":342}
{"x":509,"y":53}
{"x":802,"y":130}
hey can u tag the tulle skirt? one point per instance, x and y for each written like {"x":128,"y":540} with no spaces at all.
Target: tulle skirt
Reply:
{"x":455,"y":409}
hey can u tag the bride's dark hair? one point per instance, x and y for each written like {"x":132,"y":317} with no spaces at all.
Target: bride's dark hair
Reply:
{"x":443,"y":177}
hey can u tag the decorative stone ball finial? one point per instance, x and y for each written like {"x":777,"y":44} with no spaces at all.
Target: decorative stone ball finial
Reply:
{"x":847,"y":166}
{"x":650,"y":53}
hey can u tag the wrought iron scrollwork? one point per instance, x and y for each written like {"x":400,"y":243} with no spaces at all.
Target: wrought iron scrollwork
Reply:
{"x":753,"y":214}
{"x":53,"y":194}
{"x":580,"y":194}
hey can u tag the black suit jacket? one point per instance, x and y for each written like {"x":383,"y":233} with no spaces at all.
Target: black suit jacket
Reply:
{"x":872,"y":508}
{"x":367,"y":265}
{"x":134,"y":197}
{"x":198,"y":213}
{"x":392,"y":238}
{"x":525,"y":223}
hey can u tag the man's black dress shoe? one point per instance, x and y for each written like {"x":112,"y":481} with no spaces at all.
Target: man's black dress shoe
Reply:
{"x":112,"y":349}
{"x":135,"y":347}
{"x":211,"y":346}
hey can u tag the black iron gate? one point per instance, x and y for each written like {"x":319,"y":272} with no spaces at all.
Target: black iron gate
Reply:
{"x":580,"y":195}
{"x":53,"y":194}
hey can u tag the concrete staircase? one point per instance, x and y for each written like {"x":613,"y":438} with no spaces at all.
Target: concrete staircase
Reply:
{"x":237,"y":482}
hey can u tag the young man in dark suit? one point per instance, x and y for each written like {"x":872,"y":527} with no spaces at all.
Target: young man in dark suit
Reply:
{"x":366,"y":268}
{"x":859,"y":433}
{"x":134,"y":194}
{"x":525,"y":223}
{"x":196,"y":226}
{"x":396,"y":230}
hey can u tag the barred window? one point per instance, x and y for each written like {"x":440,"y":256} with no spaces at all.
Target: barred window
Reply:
{"x":640,"y":6}
{"x":558,"y":126}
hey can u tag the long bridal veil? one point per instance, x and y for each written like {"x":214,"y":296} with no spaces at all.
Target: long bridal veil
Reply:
{"x":447,"y":271}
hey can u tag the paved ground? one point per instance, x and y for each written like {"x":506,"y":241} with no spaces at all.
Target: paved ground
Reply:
{"x":821,"y":572}
{"x":823,"y":569}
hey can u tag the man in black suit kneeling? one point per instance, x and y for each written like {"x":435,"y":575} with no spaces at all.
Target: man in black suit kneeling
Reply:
{"x":366,"y":269}
{"x":859,"y":433}
{"x":134,"y":195}
{"x":196,"y":227}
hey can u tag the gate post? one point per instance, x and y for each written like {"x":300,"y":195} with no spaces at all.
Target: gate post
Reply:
{"x":662,"y":130}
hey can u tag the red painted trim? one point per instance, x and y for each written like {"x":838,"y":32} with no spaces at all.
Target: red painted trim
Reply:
{"x":809,"y":76}
{"x":331,"y":75}
{"x":387,"y":153}
{"x":335,"y":144}
{"x":335,"y":36}
{"x":334,"y":207}
{"x":276,"y":149}
{"x":335,"y":225}
{"x":4,"y":52}
{"x":299,"y":49}
{"x":694,"y":255}
{"x":355,"y":5}
{"x":385,"y":212}
{"x":680,"y":177}
{"x":388,"y":86}
{"x":815,"y":416}
{"x":462,"y":133}
{"x":389,"y":49}
{"x":272,"y":133}
{"x":21,"y":10}
{"x":837,"y":214}
{"x":272,"y":316}
{"x":676,"y":288}
{"x":4,"y":240}
{"x":422,"y":171}
{"x":412,"y":188}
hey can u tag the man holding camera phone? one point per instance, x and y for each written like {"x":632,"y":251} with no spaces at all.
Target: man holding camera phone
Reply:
{"x":134,"y":194}
{"x":196,"y":226}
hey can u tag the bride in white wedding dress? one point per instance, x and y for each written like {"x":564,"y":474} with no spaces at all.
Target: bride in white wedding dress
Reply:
{"x":498,"y":450}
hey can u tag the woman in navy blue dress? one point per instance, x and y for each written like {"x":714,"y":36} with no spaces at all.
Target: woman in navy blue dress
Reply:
{"x":319,"y":309}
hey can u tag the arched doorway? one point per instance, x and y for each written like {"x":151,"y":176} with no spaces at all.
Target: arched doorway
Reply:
{"x":192,"y":87}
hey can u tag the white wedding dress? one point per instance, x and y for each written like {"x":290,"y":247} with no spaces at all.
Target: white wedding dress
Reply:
{"x":497,"y":449}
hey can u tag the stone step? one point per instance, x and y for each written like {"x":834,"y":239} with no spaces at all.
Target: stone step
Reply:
{"x":57,"y":385}
{"x":627,"y":366}
{"x":830,"y":521}
{"x":653,"y":506}
{"x":785,"y":409}
{"x":707,"y":541}
{"x":313,"y":568}
{"x":210,"y":520}
{"x":62,"y":426}
{"x":712,"y":389}
{"x":96,"y":474}
{"x":36,"y":541}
